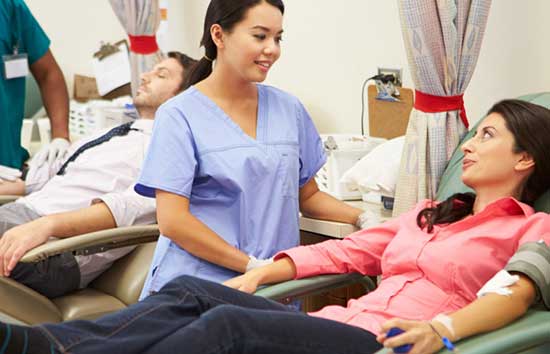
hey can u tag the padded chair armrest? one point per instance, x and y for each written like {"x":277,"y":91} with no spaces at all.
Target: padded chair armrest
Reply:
{"x":19,"y":304}
{"x":5,"y":199}
{"x":290,"y":290}
{"x":95,"y":242}
{"x":530,"y":331}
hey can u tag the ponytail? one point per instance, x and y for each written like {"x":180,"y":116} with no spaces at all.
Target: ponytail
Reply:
{"x":200,"y":71}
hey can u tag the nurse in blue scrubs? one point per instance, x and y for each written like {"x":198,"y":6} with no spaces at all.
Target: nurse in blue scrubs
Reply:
{"x":231,"y":161}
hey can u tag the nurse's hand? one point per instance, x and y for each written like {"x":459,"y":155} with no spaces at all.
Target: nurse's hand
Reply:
{"x":254,"y":263}
{"x":54,"y":150}
{"x":367,"y":219}
{"x":19,"y":240}
{"x":248,"y":282}
{"x":418,"y":333}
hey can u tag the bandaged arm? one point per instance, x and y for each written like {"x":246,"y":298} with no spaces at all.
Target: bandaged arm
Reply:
{"x":531,"y":263}
{"x":492,"y":310}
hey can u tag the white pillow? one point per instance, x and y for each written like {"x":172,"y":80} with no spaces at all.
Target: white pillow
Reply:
{"x":377,"y":171}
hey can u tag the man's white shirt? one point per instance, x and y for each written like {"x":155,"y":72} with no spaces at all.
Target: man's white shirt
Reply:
{"x":107,"y":173}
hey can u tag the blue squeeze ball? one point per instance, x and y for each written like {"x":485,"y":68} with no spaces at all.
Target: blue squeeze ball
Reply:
{"x":403,"y":348}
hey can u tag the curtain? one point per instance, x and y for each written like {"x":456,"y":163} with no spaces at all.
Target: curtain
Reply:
{"x":442,"y":40}
{"x":140,"y":19}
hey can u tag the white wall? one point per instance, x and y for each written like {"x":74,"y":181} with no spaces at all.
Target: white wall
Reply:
{"x":329,"y":49}
{"x":75,"y":28}
{"x":515,"y":56}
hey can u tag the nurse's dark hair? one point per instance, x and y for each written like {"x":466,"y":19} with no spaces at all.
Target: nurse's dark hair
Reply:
{"x":186,"y":63}
{"x":529,"y":123}
{"x":226,"y":13}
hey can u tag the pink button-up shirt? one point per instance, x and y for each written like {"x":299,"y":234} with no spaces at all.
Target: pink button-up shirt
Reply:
{"x":423,"y":274}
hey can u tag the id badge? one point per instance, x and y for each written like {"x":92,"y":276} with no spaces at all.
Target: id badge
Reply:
{"x":15,"y":66}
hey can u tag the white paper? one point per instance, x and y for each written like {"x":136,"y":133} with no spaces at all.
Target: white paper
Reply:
{"x":112,"y":71}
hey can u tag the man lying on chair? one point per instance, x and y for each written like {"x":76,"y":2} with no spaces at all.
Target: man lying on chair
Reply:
{"x":91,"y":189}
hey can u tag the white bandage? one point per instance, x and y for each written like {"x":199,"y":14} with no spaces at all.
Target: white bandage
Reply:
{"x":447,"y":322}
{"x":499,"y":284}
{"x":253,"y":262}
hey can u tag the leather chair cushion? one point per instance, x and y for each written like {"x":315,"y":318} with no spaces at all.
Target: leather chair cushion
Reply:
{"x":124,"y":280}
{"x":86,"y":304}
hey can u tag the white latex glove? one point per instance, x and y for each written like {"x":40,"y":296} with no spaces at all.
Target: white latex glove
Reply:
{"x":8,"y":173}
{"x":253,"y":262}
{"x":367,"y":219}
{"x":49,"y":153}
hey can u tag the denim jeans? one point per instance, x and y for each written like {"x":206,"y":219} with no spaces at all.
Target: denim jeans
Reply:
{"x":191,"y":315}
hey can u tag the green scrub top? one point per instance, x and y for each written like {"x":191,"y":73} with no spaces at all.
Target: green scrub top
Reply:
{"x":17,"y":27}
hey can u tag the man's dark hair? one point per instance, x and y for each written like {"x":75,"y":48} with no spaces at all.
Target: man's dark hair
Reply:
{"x":186,"y":62}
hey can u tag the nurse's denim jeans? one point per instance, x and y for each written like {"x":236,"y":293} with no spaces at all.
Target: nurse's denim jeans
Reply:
{"x":190,"y":315}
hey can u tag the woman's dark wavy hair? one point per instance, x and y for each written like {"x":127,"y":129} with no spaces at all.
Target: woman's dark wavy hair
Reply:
{"x":226,"y":13}
{"x":530,"y":125}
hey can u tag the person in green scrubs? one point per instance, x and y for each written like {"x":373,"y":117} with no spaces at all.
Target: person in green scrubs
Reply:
{"x":24,"y":46}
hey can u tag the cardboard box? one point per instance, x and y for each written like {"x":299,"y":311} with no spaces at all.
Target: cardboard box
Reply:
{"x":85,"y":88}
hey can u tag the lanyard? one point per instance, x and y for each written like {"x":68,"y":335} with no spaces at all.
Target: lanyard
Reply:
{"x":15,"y":29}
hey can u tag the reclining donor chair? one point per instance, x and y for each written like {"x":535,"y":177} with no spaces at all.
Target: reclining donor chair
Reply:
{"x":531,"y":333}
{"x":120,"y":286}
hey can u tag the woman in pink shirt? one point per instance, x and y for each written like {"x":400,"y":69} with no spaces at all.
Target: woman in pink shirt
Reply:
{"x":432,"y":260}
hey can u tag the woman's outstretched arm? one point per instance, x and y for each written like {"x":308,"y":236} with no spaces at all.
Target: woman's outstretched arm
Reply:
{"x":485,"y":314}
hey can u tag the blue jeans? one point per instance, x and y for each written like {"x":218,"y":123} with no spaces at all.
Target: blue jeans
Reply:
{"x":191,"y":315}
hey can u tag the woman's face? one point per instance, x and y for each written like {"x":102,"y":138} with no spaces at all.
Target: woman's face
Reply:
{"x":253,"y":45}
{"x":489,"y":157}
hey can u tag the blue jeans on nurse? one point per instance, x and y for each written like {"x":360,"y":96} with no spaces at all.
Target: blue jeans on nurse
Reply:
{"x":191,"y":315}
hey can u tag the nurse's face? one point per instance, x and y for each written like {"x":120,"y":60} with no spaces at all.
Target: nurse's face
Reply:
{"x":159,"y":84}
{"x":253,"y":45}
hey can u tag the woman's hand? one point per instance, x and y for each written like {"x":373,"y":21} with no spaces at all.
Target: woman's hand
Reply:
{"x":248,"y":282}
{"x":418,"y":333}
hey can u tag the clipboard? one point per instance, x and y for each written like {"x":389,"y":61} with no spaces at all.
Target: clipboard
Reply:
{"x":389,"y":119}
{"x":111,"y":65}
{"x":107,"y":49}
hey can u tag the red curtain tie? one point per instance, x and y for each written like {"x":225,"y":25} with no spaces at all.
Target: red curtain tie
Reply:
{"x":435,"y":104}
{"x":143,"y":44}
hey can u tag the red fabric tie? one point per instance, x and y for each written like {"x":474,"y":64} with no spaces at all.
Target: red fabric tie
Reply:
{"x":143,"y":44}
{"x":435,"y":104}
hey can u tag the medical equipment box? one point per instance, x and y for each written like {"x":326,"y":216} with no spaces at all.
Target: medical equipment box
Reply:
{"x":343,"y":151}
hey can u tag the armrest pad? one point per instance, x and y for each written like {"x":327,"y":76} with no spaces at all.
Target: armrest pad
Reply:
{"x":530,"y":331}
{"x":95,"y":242}
{"x":289,"y":290}
{"x":5,"y":199}
{"x":25,"y":305}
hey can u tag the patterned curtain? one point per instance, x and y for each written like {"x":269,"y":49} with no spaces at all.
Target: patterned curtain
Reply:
{"x":442,"y":39}
{"x":140,"y":19}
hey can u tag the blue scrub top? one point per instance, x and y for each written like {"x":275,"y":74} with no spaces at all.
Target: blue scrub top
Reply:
{"x":17,"y":26}
{"x":245,"y":190}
